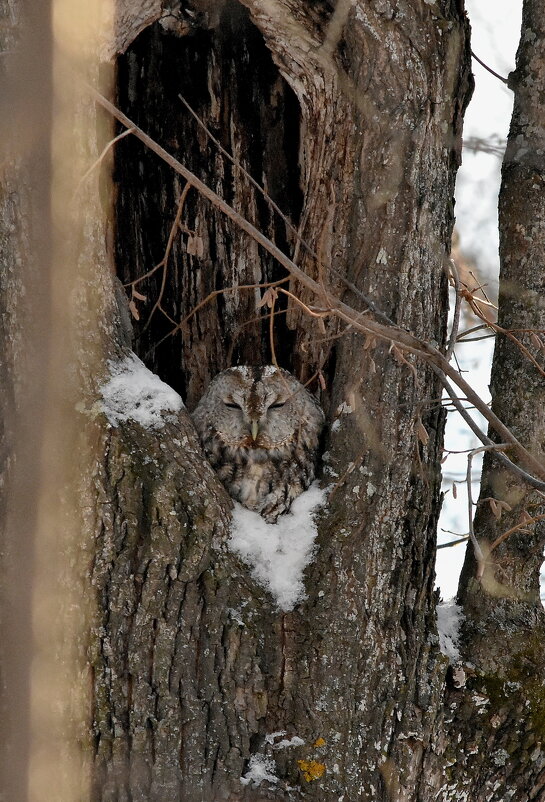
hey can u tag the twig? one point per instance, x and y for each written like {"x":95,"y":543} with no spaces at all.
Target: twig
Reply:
{"x":108,"y":147}
{"x":271,"y":333}
{"x":479,"y":556}
{"x":474,"y":305}
{"x":249,"y":322}
{"x":321,"y":313}
{"x":492,"y":145}
{"x":244,"y":172}
{"x":210,"y":297}
{"x":299,"y":240}
{"x":453,"y":270}
{"x":490,"y":70}
{"x":471,"y":330}
{"x":513,"y":529}
{"x":460,"y":451}
{"x":478,"y":339}
{"x":479,"y":286}
{"x":168,"y":249}
{"x":537,"y":484}
{"x":463,"y":539}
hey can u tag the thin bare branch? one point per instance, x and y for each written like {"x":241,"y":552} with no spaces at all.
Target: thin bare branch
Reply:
{"x":478,"y":339}
{"x":311,"y":312}
{"x":210,"y":297}
{"x":245,"y":173}
{"x":471,"y":330}
{"x":493,"y":145}
{"x":475,"y":303}
{"x":490,"y":70}
{"x":516,"y":528}
{"x":452,"y":272}
{"x":107,"y":148}
{"x":299,"y":240}
{"x":533,"y":481}
{"x":164,"y":262}
{"x":271,"y":334}
{"x":463,"y":539}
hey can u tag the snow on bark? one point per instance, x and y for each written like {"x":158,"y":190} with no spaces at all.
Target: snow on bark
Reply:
{"x":135,"y":393}
{"x":279,"y":553}
{"x":449,"y":619}
{"x":261,"y":769}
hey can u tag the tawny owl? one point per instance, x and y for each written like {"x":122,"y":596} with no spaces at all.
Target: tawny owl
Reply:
{"x":260,"y":428}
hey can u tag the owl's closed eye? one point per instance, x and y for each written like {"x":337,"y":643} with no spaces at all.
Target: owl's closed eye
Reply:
{"x":260,"y":430}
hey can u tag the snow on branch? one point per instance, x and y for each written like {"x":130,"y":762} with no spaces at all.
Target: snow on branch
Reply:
{"x":135,"y":393}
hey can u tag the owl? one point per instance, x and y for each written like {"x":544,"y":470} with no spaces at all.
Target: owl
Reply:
{"x":260,"y":429}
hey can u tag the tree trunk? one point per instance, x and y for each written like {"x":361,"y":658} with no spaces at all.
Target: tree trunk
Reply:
{"x":350,"y":117}
{"x":505,"y":621}
{"x":358,"y":154}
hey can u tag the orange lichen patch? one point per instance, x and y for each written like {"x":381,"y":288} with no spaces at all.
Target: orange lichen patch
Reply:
{"x":319,"y":742}
{"x":311,"y":769}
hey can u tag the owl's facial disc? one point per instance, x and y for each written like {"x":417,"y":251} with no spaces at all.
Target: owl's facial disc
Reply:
{"x":256,"y":419}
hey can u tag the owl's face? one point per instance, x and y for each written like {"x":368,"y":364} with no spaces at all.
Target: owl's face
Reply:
{"x":258,"y":408}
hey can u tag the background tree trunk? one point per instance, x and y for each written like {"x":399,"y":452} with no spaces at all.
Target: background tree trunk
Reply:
{"x":504,"y":618}
{"x":350,"y":116}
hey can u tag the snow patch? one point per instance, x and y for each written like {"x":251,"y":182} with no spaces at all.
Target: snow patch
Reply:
{"x":270,"y":737}
{"x":285,"y":743}
{"x":260,"y":769}
{"x":449,"y":618}
{"x":278,"y":553}
{"x":382,"y":258}
{"x":344,"y":409}
{"x":135,"y":393}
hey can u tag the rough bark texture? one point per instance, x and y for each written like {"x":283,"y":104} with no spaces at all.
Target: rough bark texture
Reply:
{"x":361,"y":153}
{"x":350,"y":115}
{"x":505,"y":623}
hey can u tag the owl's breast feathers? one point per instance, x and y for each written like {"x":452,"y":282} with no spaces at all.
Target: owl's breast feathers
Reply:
{"x":264,"y":480}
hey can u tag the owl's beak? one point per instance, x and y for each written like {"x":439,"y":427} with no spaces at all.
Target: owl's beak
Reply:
{"x":255,"y":429}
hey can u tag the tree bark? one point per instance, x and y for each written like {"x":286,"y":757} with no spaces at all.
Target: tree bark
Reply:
{"x":350,"y":116}
{"x":505,"y":622}
{"x":362,"y":157}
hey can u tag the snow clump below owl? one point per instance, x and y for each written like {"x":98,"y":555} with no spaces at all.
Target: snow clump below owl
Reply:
{"x":260,"y":430}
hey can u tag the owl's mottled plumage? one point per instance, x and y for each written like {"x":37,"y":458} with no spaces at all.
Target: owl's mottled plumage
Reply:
{"x":259,"y":428}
